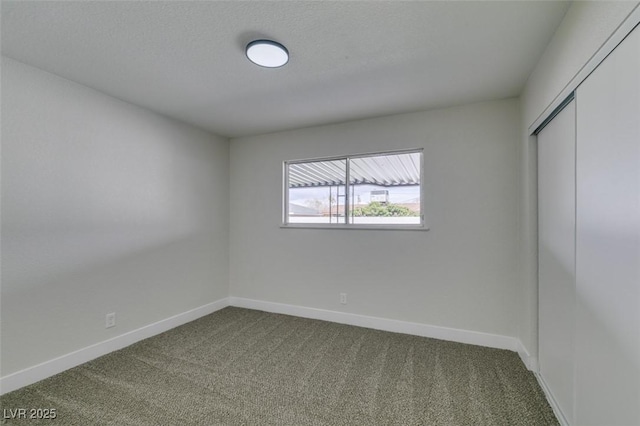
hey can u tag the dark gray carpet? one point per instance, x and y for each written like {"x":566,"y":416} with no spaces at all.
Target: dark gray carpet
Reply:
{"x":245,"y":367}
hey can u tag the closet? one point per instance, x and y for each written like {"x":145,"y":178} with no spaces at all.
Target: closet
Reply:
{"x":589,"y":246}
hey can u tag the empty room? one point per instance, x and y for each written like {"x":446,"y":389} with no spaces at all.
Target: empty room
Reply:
{"x":320,"y":213}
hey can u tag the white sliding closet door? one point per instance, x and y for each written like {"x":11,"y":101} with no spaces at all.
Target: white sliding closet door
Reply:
{"x":556,"y":251}
{"x":608,"y":241}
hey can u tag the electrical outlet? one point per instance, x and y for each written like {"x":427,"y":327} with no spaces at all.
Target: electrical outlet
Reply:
{"x":343,"y":298}
{"x":110,"y":320}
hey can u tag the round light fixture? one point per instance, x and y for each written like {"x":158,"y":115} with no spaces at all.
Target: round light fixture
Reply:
{"x":267,"y":53}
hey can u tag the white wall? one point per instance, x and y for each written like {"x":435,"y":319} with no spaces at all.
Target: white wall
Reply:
{"x":106,"y":207}
{"x":584,"y":29}
{"x":461,"y":274}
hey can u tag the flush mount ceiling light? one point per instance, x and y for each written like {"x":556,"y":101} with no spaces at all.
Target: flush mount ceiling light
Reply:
{"x":267,"y":53}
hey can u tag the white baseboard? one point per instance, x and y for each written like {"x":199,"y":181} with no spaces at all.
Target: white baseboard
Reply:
{"x":57,"y":365}
{"x":417,"y":329}
{"x":552,"y":401}
{"x":529,"y":361}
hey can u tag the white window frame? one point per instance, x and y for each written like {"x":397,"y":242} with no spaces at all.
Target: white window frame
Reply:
{"x":422,"y":226}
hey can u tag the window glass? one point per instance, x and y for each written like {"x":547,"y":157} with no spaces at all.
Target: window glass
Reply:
{"x":357,"y":190}
{"x":386,"y":189}
{"x":317,"y":192}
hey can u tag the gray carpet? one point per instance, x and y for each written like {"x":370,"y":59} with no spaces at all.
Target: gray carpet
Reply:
{"x":245,"y":367}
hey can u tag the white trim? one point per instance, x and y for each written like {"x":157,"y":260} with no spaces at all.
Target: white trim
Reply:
{"x":361,"y":155}
{"x":340,"y":226}
{"x":57,"y":365}
{"x":529,"y":361}
{"x":607,"y":47}
{"x":416,"y":329}
{"x":552,"y":401}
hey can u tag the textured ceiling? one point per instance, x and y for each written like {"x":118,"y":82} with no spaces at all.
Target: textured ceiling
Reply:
{"x":349,"y":60}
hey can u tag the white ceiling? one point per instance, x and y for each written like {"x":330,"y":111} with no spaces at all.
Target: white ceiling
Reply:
{"x":349,"y":60}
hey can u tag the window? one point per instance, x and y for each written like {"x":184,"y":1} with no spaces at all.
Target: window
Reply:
{"x":356,"y":191}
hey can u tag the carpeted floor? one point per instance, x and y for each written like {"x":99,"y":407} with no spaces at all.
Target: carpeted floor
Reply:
{"x":245,"y":367}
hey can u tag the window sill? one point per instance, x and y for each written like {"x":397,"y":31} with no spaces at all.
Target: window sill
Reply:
{"x":356,"y":227}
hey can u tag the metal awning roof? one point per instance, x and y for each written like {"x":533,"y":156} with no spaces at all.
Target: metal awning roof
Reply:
{"x":381,"y":170}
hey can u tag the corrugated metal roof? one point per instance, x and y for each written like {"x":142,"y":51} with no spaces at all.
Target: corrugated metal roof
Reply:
{"x":317,"y":173}
{"x":382,"y":170}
